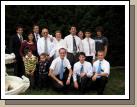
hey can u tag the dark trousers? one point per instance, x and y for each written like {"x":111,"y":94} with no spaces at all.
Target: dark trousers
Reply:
{"x":19,"y":68}
{"x":83,"y":83}
{"x":100,"y":84}
{"x":89,"y":59}
{"x":59,"y":87}
{"x":72,"y":58}
{"x":36,"y":75}
{"x":31,"y":79}
{"x":43,"y":80}
{"x":50,"y":60}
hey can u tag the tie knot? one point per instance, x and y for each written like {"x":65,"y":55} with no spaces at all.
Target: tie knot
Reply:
{"x":100,"y":62}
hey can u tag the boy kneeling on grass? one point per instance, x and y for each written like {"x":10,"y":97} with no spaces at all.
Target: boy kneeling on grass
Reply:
{"x":82,"y":73}
{"x":101,"y":67}
{"x":30,"y":66}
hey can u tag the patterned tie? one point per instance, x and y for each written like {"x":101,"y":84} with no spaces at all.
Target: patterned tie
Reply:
{"x":61,"y":70}
{"x":89,"y":46}
{"x":74,"y":45}
{"x":46,"y":46}
{"x":81,"y":69}
{"x":99,"y":68}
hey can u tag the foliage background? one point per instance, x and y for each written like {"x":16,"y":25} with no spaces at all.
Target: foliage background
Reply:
{"x":56,"y":17}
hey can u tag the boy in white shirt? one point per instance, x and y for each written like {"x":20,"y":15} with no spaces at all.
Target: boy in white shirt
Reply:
{"x":89,"y":47}
{"x":73,"y":45}
{"x":82,"y":73}
{"x":101,"y":67}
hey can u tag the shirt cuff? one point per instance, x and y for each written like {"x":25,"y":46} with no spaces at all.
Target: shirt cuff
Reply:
{"x":89,"y":74}
{"x":74,"y":79}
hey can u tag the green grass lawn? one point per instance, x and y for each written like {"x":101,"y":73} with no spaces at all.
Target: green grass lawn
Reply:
{"x":115,"y":85}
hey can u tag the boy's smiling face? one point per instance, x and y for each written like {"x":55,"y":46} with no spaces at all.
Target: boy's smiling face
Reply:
{"x":42,"y":58}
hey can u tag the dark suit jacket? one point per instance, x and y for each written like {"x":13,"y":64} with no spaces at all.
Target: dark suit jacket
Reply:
{"x":15,"y":45}
{"x":35,"y":38}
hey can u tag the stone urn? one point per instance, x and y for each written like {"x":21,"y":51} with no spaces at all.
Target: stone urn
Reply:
{"x":14,"y":85}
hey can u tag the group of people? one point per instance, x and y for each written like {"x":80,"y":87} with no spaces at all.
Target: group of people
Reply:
{"x":47,"y":59}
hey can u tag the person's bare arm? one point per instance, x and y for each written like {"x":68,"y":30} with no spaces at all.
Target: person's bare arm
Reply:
{"x":69,"y":77}
{"x":102,"y":74}
{"x":70,"y":73}
{"x":54,"y":77}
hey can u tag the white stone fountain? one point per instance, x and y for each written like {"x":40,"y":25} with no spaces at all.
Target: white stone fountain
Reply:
{"x":13,"y":84}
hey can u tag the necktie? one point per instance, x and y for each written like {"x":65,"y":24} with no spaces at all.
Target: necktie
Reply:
{"x":21,"y":38}
{"x":74,"y":45}
{"x":81,"y":69}
{"x":36,"y":37}
{"x":89,"y":46}
{"x":46,"y":46}
{"x":99,"y":68}
{"x":61,"y":70}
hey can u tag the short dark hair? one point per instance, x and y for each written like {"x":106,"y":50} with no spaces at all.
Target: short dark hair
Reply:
{"x":62,"y":49}
{"x":35,"y":25}
{"x":80,"y":31}
{"x":28,"y":50}
{"x":19,"y":26}
{"x":100,"y":51}
{"x":87,"y":30}
{"x":57,"y":31}
{"x":30,"y":32}
{"x":82,"y":53}
{"x":99,"y":29}
{"x":72,"y":26}
{"x":44,"y":54}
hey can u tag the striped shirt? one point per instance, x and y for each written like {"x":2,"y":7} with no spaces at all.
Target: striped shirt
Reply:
{"x":30,"y":64}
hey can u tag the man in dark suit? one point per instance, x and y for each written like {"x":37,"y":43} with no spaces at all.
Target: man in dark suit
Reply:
{"x":15,"y":45}
{"x":37,"y":36}
{"x":36,"y":33}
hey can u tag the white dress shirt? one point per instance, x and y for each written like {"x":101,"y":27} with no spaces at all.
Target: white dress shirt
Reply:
{"x":87,"y":69}
{"x":58,"y":44}
{"x":69,"y":43}
{"x":55,"y":65}
{"x":105,"y":66}
{"x":86,"y":47}
{"x":38,"y":36}
{"x":41,"y":46}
